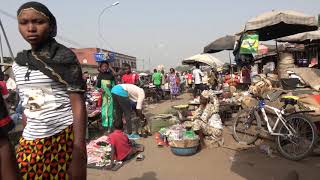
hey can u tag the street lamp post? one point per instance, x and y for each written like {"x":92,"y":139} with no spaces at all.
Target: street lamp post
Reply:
{"x":99,"y":19}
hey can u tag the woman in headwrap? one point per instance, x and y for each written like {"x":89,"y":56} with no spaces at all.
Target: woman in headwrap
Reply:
{"x":206,"y":121}
{"x":49,"y":79}
{"x":106,"y":81}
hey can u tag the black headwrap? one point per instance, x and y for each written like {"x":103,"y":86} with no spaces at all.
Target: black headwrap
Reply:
{"x":42,"y":9}
{"x":53,"y":59}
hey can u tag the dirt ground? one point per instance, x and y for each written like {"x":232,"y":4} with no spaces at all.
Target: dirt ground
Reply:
{"x":228,"y":162}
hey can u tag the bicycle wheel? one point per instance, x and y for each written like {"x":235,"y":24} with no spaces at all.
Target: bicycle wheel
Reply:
{"x":245,"y":129}
{"x":301,"y":143}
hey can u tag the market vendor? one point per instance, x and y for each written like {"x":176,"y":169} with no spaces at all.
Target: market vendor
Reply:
{"x":123,"y":95}
{"x":206,"y":121}
{"x":106,"y":81}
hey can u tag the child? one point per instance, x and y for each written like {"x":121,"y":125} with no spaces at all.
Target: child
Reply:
{"x":124,"y":149}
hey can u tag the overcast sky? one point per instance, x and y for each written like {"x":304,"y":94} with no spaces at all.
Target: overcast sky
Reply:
{"x":164,"y":31}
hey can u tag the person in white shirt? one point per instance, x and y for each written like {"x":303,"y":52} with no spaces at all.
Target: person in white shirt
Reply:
{"x":124,"y":96}
{"x":11,"y":85}
{"x":197,"y":75}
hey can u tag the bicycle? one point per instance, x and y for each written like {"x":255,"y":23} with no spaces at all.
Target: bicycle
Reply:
{"x":296,"y":135}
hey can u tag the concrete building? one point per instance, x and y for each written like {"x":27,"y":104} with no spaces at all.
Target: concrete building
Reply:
{"x":86,"y":56}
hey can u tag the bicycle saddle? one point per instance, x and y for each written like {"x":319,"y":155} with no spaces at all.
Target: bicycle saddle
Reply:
{"x":292,"y":100}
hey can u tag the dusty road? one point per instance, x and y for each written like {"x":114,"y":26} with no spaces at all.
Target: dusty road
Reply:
{"x":227,"y":163}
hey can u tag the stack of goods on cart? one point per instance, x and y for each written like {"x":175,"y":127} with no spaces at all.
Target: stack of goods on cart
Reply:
{"x":260,"y":86}
{"x":181,"y":139}
{"x":240,"y":96}
{"x":227,"y":93}
{"x":229,"y":100}
{"x":99,"y":152}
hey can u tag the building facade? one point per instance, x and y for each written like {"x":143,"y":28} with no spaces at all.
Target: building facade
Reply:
{"x":86,"y":57}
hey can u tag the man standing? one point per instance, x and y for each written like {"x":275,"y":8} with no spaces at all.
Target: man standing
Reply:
{"x":197,"y":75}
{"x":157,"y":80}
{"x":129,"y":77}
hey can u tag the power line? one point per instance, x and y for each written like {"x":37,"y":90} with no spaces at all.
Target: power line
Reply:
{"x":8,"y":14}
{"x":62,"y":38}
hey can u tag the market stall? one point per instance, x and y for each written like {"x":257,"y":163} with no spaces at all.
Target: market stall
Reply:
{"x":93,"y":100}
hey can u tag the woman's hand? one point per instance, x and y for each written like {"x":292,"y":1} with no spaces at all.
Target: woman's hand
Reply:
{"x":78,"y":167}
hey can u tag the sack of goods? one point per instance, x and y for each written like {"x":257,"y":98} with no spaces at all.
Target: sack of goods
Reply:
{"x":286,"y":62}
{"x":261,"y":87}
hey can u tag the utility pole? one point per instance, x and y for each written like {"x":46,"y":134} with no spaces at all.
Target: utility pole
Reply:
{"x":7,"y":41}
{"x":1,"y":49}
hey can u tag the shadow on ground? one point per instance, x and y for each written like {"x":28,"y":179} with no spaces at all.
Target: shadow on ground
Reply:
{"x":146,"y":176}
{"x":251,"y":165}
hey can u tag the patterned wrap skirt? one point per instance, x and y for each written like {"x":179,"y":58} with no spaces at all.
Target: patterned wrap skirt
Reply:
{"x":47,"y":158}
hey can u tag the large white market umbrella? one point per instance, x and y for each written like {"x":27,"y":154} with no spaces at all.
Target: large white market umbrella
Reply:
{"x":207,"y":59}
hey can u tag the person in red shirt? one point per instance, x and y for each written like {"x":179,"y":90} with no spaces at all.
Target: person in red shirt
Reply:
{"x":189,"y":79}
{"x":3,"y":87}
{"x":123,"y":148}
{"x":128,"y":77}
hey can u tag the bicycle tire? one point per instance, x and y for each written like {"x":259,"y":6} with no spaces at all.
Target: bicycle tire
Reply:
{"x":245,"y":135}
{"x":292,"y":120}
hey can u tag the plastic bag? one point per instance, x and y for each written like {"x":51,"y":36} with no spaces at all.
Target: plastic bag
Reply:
{"x":250,"y":43}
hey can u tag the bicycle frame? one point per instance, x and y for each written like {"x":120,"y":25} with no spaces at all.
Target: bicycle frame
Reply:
{"x":280,"y":119}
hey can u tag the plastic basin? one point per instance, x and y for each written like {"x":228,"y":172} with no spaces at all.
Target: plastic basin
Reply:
{"x":187,"y":151}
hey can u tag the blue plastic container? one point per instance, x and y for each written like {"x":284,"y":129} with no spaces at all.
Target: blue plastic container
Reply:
{"x":104,"y":57}
{"x":187,"y":151}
